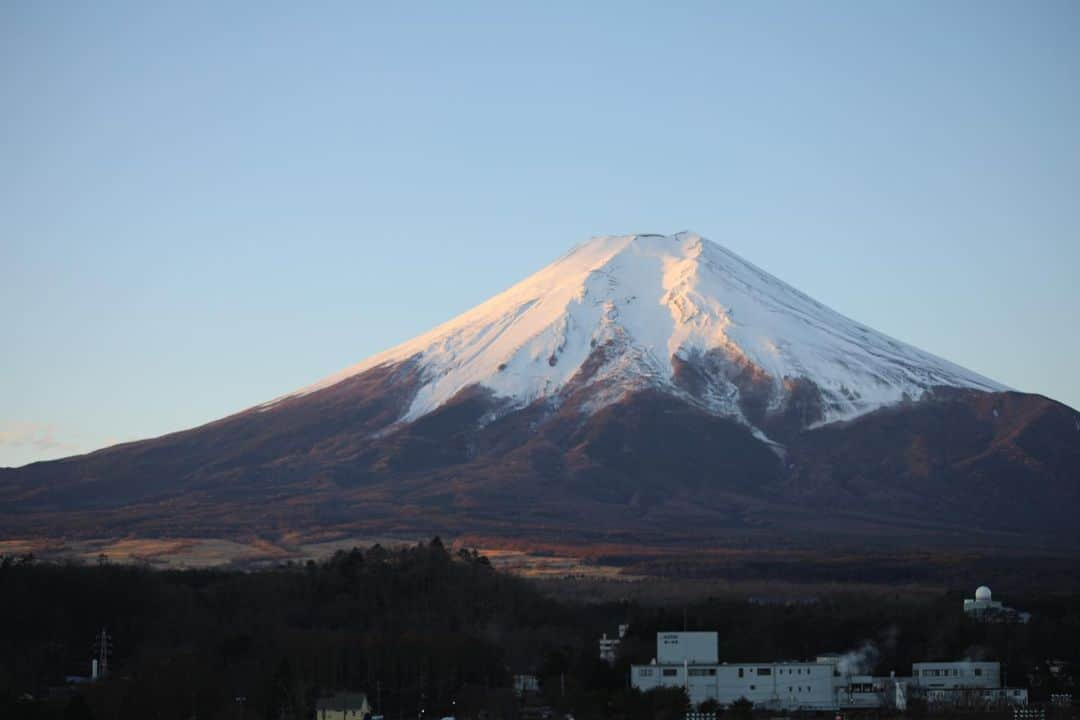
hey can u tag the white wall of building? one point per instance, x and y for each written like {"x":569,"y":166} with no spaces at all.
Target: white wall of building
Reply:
{"x":778,"y":685}
{"x":982,"y":605}
{"x":688,"y":660}
{"x":698,"y":648}
{"x":959,"y":674}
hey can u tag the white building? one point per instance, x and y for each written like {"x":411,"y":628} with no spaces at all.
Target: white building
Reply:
{"x":964,"y":684}
{"x":984,"y":608}
{"x":609,"y":647}
{"x":690,"y":661}
{"x":960,"y":674}
{"x":694,"y":648}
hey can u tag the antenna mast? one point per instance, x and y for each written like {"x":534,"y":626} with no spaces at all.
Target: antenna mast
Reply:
{"x":103,"y":647}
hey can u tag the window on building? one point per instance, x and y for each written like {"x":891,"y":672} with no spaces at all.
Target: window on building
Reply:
{"x":764,"y":671}
{"x":670,"y":672}
{"x":644,"y":672}
{"x":702,"y":672}
{"x":978,"y":671}
{"x":753,"y":687}
{"x":740,"y":672}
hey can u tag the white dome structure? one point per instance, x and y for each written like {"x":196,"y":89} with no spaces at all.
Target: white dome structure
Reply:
{"x":983,"y":608}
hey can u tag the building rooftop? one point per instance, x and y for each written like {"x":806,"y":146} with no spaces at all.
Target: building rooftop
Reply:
{"x":341,"y":701}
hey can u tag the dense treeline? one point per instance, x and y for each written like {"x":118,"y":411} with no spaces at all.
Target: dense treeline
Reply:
{"x":412,"y":625}
{"x":425,"y":628}
{"x":1011,"y":574}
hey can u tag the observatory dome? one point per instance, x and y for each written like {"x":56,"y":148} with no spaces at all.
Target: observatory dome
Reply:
{"x":983,"y":593}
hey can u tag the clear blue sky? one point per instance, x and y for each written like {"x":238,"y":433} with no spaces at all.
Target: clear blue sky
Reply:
{"x":203,"y":206}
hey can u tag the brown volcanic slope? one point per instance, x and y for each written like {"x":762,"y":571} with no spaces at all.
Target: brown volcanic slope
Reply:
{"x":957,"y":467}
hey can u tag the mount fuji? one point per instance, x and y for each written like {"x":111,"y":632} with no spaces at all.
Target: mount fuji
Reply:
{"x":641,"y":389}
{"x":679,"y":314}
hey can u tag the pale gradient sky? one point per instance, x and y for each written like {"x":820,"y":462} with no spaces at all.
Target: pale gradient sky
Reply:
{"x":205,"y":205}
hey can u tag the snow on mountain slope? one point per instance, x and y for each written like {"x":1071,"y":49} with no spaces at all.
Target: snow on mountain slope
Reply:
{"x":648,"y":299}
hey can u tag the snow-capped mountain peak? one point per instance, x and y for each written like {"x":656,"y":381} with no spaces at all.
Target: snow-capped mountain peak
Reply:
{"x":675,"y":313}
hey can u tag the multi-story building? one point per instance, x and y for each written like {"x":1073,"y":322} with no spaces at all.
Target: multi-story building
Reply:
{"x":960,"y":674}
{"x":691,"y":661}
{"x":963,"y":683}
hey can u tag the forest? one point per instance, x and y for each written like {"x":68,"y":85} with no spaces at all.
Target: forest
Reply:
{"x":429,"y":631}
